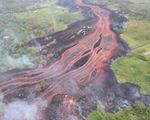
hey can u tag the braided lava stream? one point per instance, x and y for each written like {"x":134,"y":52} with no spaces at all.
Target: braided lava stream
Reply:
{"x":74,"y":84}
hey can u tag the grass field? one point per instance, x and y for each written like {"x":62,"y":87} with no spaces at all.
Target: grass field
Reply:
{"x":134,"y":68}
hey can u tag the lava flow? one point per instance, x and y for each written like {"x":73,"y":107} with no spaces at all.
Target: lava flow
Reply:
{"x":80,"y":79}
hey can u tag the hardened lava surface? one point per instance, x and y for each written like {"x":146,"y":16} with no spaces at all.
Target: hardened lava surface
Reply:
{"x":75,"y":76}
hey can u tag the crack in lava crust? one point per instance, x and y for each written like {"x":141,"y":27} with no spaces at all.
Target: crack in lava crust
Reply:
{"x":65,"y":83}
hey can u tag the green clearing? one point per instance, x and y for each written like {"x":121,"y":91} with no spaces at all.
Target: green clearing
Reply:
{"x":135,"y":69}
{"x":137,"y":112}
{"x":137,"y":32}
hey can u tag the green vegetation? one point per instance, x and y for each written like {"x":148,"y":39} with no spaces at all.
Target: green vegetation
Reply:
{"x":137,"y":31}
{"x":38,"y":19}
{"x":137,"y":112}
{"x":135,"y":69}
{"x":135,"y":66}
{"x":21,"y":21}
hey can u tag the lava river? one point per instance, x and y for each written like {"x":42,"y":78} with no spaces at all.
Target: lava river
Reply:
{"x":80,"y":79}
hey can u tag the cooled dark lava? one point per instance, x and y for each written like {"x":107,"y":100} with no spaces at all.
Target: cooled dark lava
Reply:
{"x":76,"y":75}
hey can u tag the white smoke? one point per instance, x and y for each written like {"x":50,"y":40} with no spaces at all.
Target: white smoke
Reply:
{"x":21,"y":110}
{"x":16,"y":62}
